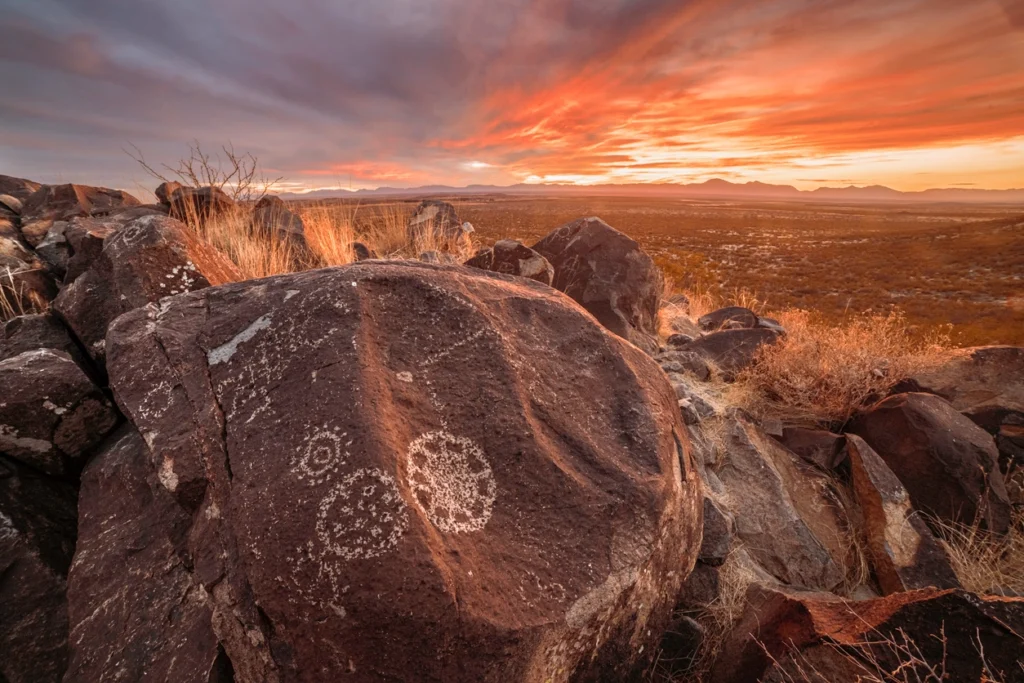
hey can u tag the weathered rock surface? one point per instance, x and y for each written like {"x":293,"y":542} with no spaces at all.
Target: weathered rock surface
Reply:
{"x":85,"y":238}
{"x":273,"y":217}
{"x":37,"y":538}
{"x":684,"y":362}
{"x":821,"y":448}
{"x":52,"y":203}
{"x":51,"y":413}
{"x":787,"y":514}
{"x":831,"y":634}
{"x":435,"y":224}
{"x":199,"y":203}
{"x":387,"y":472}
{"x":716,"y":320}
{"x":903,"y":552}
{"x":979,"y":381}
{"x":150,"y":258}
{"x":164,"y":191}
{"x":361,"y":252}
{"x":608,"y":274}
{"x":949,"y":465}
{"x":732,"y":351}
{"x":514,"y":258}
{"x":19,"y":188}
{"x":33,"y":332}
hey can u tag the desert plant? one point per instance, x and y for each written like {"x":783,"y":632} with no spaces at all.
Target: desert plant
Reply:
{"x":986,"y":562}
{"x":238,"y":175}
{"x":14,"y":295}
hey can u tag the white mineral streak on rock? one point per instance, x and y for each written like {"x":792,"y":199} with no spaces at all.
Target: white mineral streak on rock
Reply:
{"x":167,"y":476}
{"x":405,"y":377}
{"x":451,"y":481}
{"x":290,"y":293}
{"x":7,"y":530}
{"x":9,"y":438}
{"x":224,"y":352}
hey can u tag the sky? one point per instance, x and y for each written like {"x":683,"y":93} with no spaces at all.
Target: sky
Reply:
{"x":910,"y":94}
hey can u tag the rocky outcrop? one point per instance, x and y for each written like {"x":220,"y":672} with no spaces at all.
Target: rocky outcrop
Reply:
{"x":732,"y":351}
{"x":819,"y":447}
{"x":165,"y":190}
{"x":37,"y":538}
{"x":787,"y":514}
{"x":949,"y":465}
{"x":34,"y":332}
{"x":53,"y":203}
{"x":903,"y":552}
{"x":376,"y":465}
{"x":199,"y":204}
{"x":150,"y":258}
{"x":731,"y":317}
{"x":514,"y":258}
{"x":435,"y":225}
{"x":51,"y":413}
{"x":608,"y":274}
{"x":18,"y":188}
{"x":271,"y":216}
{"x":944,"y":630}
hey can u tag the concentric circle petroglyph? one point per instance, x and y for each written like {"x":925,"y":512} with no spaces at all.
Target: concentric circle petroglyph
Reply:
{"x":451,"y":482}
{"x":361,"y":517}
{"x":322,"y":454}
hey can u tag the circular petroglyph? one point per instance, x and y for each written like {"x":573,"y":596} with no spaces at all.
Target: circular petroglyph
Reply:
{"x":361,"y":517}
{"x":321,"y":454}
{"x":451,"y":481}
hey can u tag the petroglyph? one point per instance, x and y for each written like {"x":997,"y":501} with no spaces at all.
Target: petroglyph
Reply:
{"x":324,"y":453}
{"x":451,"y":481}
{"x":363,"y":516}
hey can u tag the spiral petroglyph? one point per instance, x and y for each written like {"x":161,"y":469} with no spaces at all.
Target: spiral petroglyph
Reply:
{"x":451,"y":482}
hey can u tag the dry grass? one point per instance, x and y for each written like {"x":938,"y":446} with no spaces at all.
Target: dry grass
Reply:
{"x":986,"y":563}
{"x":330,"y":230}
{"x":821,"y":372}
{"x":15,"y":299}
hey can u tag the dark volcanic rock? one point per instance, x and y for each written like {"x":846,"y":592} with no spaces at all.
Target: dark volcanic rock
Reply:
{"x":388,"y":461}
{"x":37,"y":538}
{"x":361,"y":252}
{"x":949,"y":465}
{"x":608,"y":274}
{"x":129,"y":593}
{"x":199,"y":203}
{"x":164,"y":191}
{"x":148,"y":259}
{"x":85,"y":238}
{"x":684,"y":362}
{"x":33,"y":332}
{"x":816,"y":446}
{"x":273,"y":217}
{"x":51,"y":413}
{"x":514,"y":258}
{"x":732,"y":351}
{"x":19,"y":188}
{"x":903,"y":552}
{"x":780,"y":629}
{"x":436,"y":225}
{"x":716,"y":320}
{"x":52,"y":203}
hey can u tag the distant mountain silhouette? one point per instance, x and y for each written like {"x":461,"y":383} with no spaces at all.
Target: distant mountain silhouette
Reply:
{"x":715,"y":188}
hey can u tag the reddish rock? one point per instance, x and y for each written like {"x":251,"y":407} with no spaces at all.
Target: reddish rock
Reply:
{"x":732,"y":351}
{"x":85,"y":237}
{"x":199,"y":204}
{"x":164,"y":191}
{"x":514,"y":258}
{"x":33,"y":332}
{"x":949,"y":465}
{"x":787,"y":514}
{"x":816,"y":446}
{"x":716,"y":320}
{"x":388,"y":462}
{"x":945,"y":629}
{"x":903,"y":552}
{"x":148,"y":259}
{"x":51,"y":413}
{"x":37,"y":538}
{"x":979,"y":380}
{"x":129,"y":587}
{"x":19,"y":188}
{"x":608,"y":274}
{"x":52,"y":203}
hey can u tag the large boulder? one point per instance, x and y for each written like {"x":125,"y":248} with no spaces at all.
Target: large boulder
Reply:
{"x":391,"y":471}
{"x":903,"y":552}
{"x":39,"y":331}
{"x":37,"y":538}
{"x":53,"y":203}
{"x":733,"y":317}
{"x":19,"y":188}
{"x":609,"y":275}
{"x":787,"y":636}
{"x":732,"y":351}
{"x":787,"y":514}
{"x":821,"y":448}
{"x":435,"y":225}
{"x":51,"y":414}
{"x":197,"y":205}
{"x":978,"y":381}
{"x":150,"y":258}
{"x":514,"y":258}
{"x":164,"y":191}
{"x":949,"y":465}
{"x":271,"y":216}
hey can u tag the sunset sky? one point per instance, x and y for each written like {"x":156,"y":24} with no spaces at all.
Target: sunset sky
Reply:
{"x":332,"y":93}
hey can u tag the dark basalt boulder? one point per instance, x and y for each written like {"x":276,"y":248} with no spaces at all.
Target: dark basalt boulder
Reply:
{"x":37,"y":539}
{"x":52,"y":203}
{"x":19,"y":188}
{"x":435,"y":225}
{"x":608,"y":274}
{"x":514,"y":258}
{"x":949,"y":465}
{"x":819,"y":447}
{"x":732,"y":351}
{"x":783,"y":633}
{"x":165,"y":190}
{"x":51,"y":413}
{"x":199,"y":204}
{"x":355,"y":469}
{"x":743,"y":318}
{"x":361,"y":252}
{"x":271,"y":216}
{"x":150,"y":258}
{"x":39,"y":331}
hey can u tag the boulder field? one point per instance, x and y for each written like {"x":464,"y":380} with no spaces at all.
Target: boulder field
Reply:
{"x":503,"y":470}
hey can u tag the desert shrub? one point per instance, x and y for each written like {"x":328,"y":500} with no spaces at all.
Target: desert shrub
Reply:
{"x":983,"y":561}
{"x":820,"y":373}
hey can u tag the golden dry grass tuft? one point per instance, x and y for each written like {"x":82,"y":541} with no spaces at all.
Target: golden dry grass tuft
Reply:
{"x":15,"y":298}
{"x":986,"y":563}
{"x":821,"y":372}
